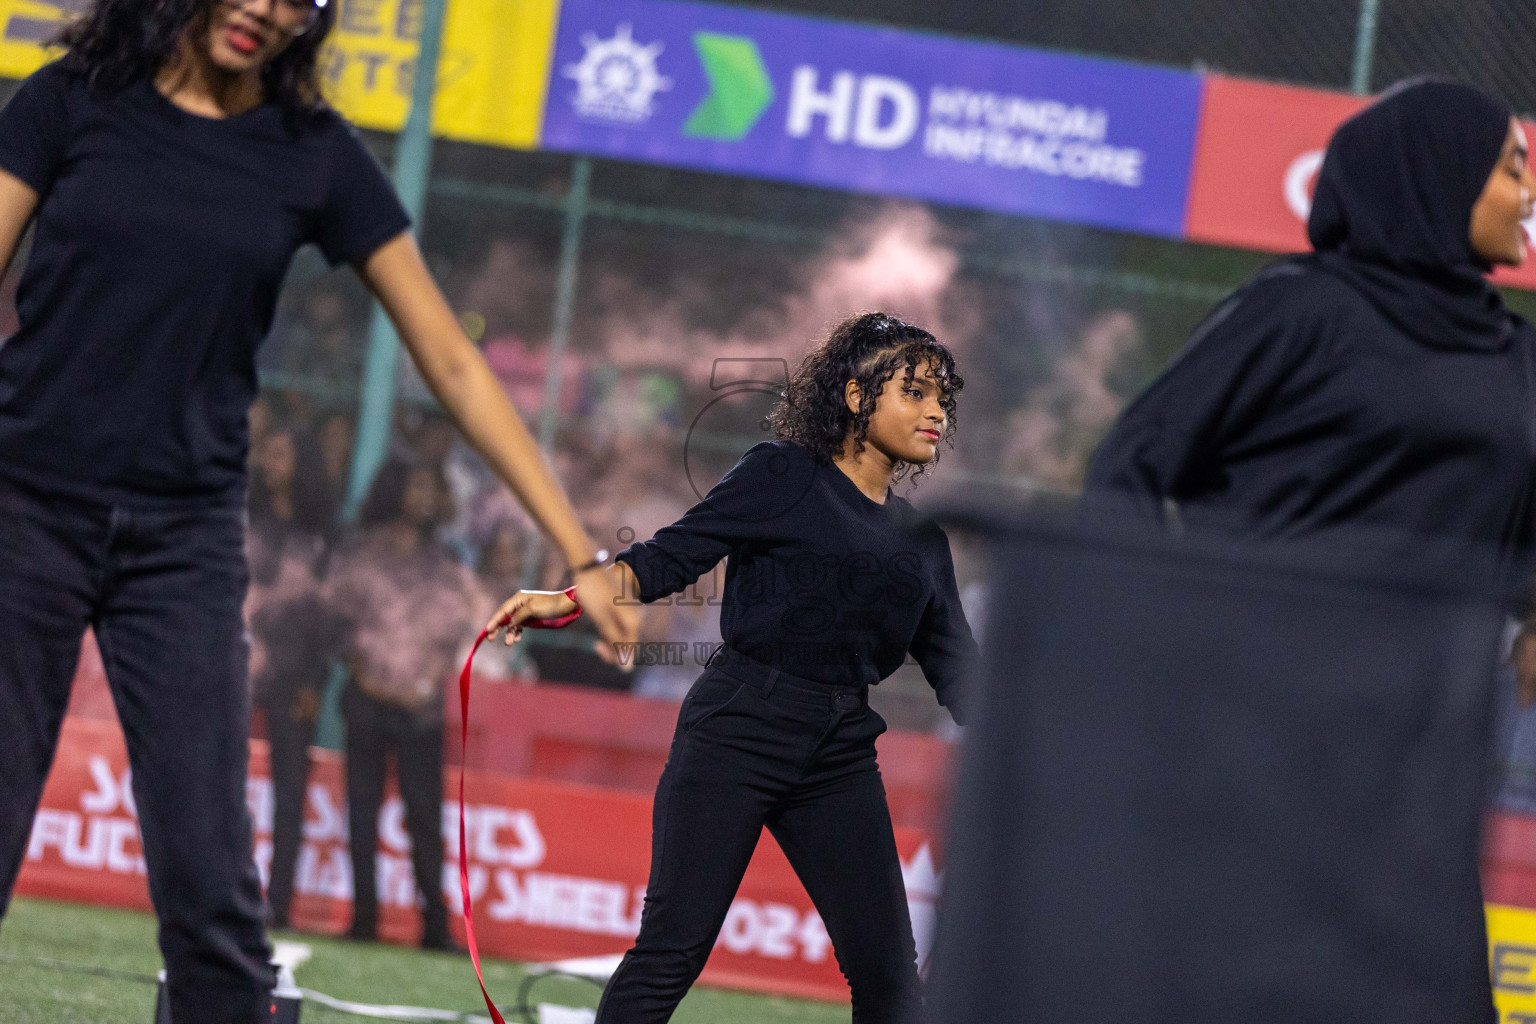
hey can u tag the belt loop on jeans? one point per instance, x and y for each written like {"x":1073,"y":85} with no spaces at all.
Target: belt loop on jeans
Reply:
{"x":773,"y":677}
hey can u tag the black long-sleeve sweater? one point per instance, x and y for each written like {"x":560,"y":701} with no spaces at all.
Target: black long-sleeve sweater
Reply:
{"x":820,"y":581}
{"x":1302,"y":406}
{"x":1374,"y":390}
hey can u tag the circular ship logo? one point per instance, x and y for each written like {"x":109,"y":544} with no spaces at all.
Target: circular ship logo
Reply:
{"x":617,"y":78}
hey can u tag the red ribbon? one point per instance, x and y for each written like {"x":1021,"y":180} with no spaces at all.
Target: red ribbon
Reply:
{"x":469,"y":907}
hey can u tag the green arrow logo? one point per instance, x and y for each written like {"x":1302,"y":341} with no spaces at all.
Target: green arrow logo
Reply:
{"x":739,"y":88}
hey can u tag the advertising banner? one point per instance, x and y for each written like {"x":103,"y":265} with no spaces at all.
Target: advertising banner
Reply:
{"x":557,"y":870}
{"x":1512,"y":963}
{"x":874,"y":110}
{"x":491,"y":75}
{"x":1259,"y":151}
{"x":1082,"y":140}
{"x":1260,"y":148}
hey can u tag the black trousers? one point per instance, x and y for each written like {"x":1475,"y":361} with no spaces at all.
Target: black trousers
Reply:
{"x":163,"y":590}
{"x":373,"y":729}
{"x":754,"y":747}
{"x":289,"y":737}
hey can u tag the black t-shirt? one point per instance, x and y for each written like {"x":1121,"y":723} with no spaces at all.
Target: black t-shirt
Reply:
{"x":820,"y":581}
{"x":162,"y":241}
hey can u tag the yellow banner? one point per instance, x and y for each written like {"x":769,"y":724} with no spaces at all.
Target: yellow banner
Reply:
{"x":1512,"y":962}
{"x":491,"y":77}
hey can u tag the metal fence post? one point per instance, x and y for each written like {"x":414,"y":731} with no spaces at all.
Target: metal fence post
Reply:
{"x":413,"y":165}
{"x":576,"y":202}
{"x":1365,"y":46}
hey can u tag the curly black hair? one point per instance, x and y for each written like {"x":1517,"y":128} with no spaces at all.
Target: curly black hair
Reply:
{"x":868,"y":349}
{"x":117,"y":42}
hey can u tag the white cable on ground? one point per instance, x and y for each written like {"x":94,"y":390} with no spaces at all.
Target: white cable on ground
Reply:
{"x":420,"y":1013}
{"x":548,"y":1013}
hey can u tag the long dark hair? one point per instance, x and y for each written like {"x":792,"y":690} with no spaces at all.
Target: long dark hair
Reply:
{"x":118,"y":42}
{"x":313,"y":508}
{"x":869,"y":349}
{"x":385,"y":501}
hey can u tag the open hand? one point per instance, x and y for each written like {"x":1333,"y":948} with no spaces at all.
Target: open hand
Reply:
{"x":525,"y":605}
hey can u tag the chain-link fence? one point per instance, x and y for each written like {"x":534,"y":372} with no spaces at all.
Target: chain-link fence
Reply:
{"x":1056,"y":325}
{"x":1322,"y":43}
{"x":627,"y":285}
{"x":1305,"y":41}
{"x":1488,"y":42}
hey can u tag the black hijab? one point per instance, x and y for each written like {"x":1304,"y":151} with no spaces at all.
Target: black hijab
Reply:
{"x":1394,"y":204}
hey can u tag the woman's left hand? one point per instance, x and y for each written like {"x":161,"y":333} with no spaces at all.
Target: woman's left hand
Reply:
{"x":602,"y":593}
{"x":525,"y":605}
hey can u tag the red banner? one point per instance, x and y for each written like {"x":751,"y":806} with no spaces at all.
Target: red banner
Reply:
{"x":557,"y":869}
{"x":1257,"y":156}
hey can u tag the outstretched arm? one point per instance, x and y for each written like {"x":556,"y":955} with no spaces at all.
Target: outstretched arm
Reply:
{"x":548,"y":604}
{"x":458,"y":375}
{"x":943,"y":644}
{"x":743,"y":508}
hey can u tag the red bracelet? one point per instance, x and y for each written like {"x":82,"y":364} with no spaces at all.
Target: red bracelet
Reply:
{"x":562,"y":621}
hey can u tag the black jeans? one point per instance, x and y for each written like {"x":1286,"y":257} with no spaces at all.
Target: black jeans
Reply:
{"x":163,"y":590}
{"x":288,"y":737}
{"x":754,"y":747}
{"x":373,"y":729}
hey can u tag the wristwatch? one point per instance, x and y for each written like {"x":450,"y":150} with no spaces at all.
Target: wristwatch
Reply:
{"x":599,"y":559}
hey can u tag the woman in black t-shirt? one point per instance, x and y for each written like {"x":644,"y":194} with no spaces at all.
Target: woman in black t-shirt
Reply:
{"x":830,"y":580}
{"x":173,"y":160}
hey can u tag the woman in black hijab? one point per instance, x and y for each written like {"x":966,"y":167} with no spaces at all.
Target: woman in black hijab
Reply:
{"x":1375,"y":390}
{"x":1378,"y":383}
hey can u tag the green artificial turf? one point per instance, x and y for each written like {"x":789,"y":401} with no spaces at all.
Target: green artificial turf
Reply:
{"x":49,"y":950}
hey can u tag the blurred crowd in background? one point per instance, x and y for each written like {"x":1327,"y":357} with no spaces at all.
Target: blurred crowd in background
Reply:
{"x":640,"y":378}
{"x":358,"y":623}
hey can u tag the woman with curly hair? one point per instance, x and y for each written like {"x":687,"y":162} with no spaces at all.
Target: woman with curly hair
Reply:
{"x":831,"y":579}
{"x":174,"y":159}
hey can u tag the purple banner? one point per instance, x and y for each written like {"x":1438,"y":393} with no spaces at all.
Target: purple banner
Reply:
{"x":874,"y":110}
